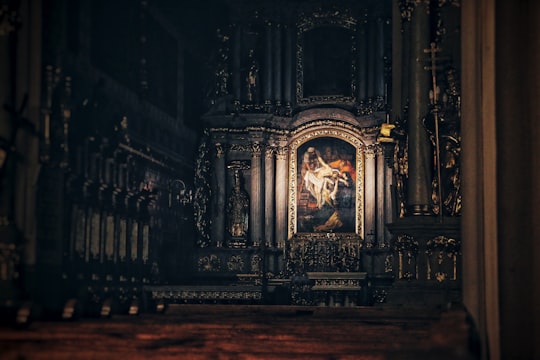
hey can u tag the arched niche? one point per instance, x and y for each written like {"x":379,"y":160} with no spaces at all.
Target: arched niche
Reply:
{"x":325,"y":53}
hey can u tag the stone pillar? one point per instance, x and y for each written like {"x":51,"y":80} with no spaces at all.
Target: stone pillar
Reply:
{"x":277,"y":64}
{"x":236,"y":75}
{"x":267,"y":85}
{"x":370,"y":199}
{"x":379,"y":59}
{"x":403,"y":68}
{"x":371,"y":53}
{"x":419,"y":191}
{"x":397,"y":61}
{"x":256,"y":220}
{"x":282,"y":187}
{"x":381,"y":194}
{"x":361,"y":86}
{"x":287,"y":91}
{"x":388,"y":194}
{"x":218,"y":228}
{"x":269,"y":196}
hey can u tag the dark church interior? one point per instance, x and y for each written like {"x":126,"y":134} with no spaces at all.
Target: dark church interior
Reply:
{"x":270,"y":179}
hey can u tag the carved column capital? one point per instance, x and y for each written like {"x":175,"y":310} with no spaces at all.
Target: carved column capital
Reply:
{"x":281,"y":152}
{"x":269,"y":152}
{"x":256,"y":149}
{"x":372,"y":150}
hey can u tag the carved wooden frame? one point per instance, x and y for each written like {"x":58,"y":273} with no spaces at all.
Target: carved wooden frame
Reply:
{"x":316,"y":20}
{"x":331,"y":129}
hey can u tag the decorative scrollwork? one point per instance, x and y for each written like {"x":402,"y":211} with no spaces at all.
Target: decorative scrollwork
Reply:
{"x":235,"y":263}
{"x":407,"y":250}
{"x":442,"y":254}
{"x":318,"y":253}
{"x":201,"y":198}
{"x":210,"y":263}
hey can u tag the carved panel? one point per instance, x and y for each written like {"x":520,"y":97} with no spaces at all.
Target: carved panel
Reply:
{"x":407,"y":250}
{"x":324,"y":252}
{"x":315,"y":32}
{"x":442,"y":258}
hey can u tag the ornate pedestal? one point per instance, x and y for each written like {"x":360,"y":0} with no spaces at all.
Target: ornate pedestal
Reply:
{"x":427,"y":261}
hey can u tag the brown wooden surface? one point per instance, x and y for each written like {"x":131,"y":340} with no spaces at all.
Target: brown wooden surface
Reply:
{"x":248,"y":332}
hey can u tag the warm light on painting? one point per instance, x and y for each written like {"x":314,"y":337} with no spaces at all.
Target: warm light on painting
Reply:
{"x":326,"y":179}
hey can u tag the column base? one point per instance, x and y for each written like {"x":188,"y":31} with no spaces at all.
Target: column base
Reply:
{"x":420,"y":210}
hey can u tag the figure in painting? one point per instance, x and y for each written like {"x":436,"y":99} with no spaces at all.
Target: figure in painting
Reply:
{"x":238,"y":209}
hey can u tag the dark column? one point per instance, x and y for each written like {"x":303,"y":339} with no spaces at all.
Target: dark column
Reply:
{"x":267,"y":82}
{"x":361,"y":66}
{"x":379,"y":58}
{"x":372,"y":28}
{"x":287,"y":79}
{"x":277,"y":64}
{"x":397,"y":59}
{"x":404,"y":68}
{"x":236,"y":76}
{"x":218,"y":228}
{"x":419,"y":147}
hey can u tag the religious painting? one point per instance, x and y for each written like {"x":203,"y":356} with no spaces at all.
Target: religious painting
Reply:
{"x":326,"y":186}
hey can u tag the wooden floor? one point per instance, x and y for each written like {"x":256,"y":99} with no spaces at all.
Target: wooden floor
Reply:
{"x":248,"y":332}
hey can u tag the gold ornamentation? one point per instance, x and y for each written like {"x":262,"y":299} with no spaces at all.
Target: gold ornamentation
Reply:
{"x":438,"y":251}
{"x":220,"y":150}
{"x":407,"y":250}
{"x":324,"y":252}
{"x":235,"y":263}
{"x":256,"y":264}
{"x":210,"y":263}
{"x":389,"y":263}
{"x":318,"y":18}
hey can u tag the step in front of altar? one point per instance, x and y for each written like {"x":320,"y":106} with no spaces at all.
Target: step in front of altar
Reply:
{"x":232,"y":294}
{"x":338,"y":288}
